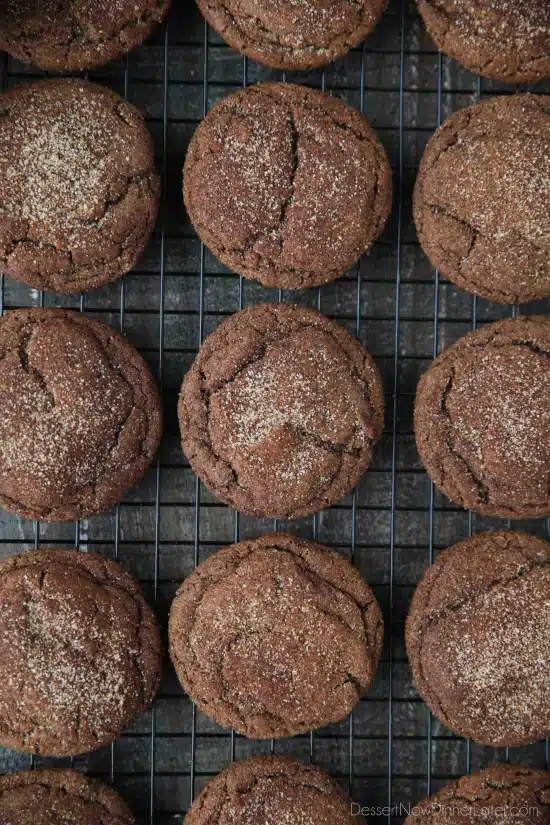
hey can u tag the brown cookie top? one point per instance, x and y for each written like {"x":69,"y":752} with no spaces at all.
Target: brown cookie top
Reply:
{"x":291,"y":34}
{"x":478,"y":638}
{"x":511,"y":794}
{"x":66,"y":36}
{"x":286,"y":184}
{"x":63,"y":797}
{"x":272,"y":790}
{"x":481,"y":199}
{"x":81,"y":654}
{"x":280,"y":411}
{"x":275,"y":637}
{"x":503,"y":39}
{"x":78,"y":188}
{"x":482,"y":418}
{"x":80,"y":415}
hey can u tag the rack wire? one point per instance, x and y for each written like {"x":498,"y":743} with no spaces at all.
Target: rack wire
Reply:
{"x":390,"y":752}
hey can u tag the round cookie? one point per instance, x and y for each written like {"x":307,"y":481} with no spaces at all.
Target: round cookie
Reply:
{"x":482,"y":418}
{"x":478,"y":638}
{"x":82,"y":652}
{"x":511,"y":794}
{"x":507,"y":41}
{"x":280,"y":411}
{"x":62,"y":35}
{"x":78,"y":188}
{"x":80,"y":415}
{"x":481,"y":200}
{"x":275,"y":637}
{"x":287,"y":185}
{"x":272,"y":790}
{"x":286,"y":34}
{"x":63,"y":797}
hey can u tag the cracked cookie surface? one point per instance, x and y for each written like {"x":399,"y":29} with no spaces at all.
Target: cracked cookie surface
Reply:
{"x":478,"y":638}
{"x":64,"y":35}
{"x":293,"y":34}
{"x":275,"y":637}
{"x":272,"y":790}
{"x":81,"y":418}
{"x":81,"y":649}
{"x":482,"y":418}
{"x":287,"y":185}
{"x":78,"y":188}
{"x":280,"y":411}
{"x":481,"y":200}
{"x":63,"y":797}
{"x":505,"y":793}
{"x":502,"y":39}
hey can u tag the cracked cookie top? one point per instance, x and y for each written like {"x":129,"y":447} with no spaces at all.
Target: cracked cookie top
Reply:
{"x":503,"y":39}
{"x":481,"y":199}
{"x":80,"y":419}
{"x":286,"y":185}
{"x":275,"y":637}
{"x":42,"y":797}
{"x":81,"y":652}
{"x":280,"y":411}
{"x":64,"y":35}
{"x":272,"y":790}
{"x":78,"y":188}
{"x":506,"y":794}
{"x":482,"y":418}
{"x":478,"y":638}
{"x":293,"y":34}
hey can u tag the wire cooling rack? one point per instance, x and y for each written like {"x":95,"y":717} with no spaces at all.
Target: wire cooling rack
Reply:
{"x":390,"y":752}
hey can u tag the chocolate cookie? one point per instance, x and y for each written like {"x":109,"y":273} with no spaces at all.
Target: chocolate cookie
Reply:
{"x":286,"y":34}
{"x":78,"y":189}
{"x":280,"y":411}
{"x":481,"y":200}
{"x":272,"y":790}
{"x":81,"y":652}
{"x":498,"y":795}
{"x":478,"y":638}
{"x":287,"y":185}
{"x":507,"y":41}
{"x":63,"y":797}
{"x":65,"y":35}
{"x":80,"y":416}
{"x":275,"y":637}
{"x":482,"y":418}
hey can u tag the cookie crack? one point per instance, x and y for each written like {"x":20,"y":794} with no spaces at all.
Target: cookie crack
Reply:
{"x":295,"y":138}
{"x":477,"y":233}
{"x":432,"y":620}
{"x":452,"y":607}
{"x":483,"y":490}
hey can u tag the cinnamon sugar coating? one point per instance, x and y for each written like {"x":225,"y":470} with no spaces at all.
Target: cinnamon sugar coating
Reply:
{"x":287,"y":185}
{"x":280,"y":411}
{"x":81,"y":652}
{"x":275,"y":637}
{"x":478,"y":638}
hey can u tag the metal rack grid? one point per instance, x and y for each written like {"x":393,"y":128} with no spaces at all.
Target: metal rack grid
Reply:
{"x":391,"y":752}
